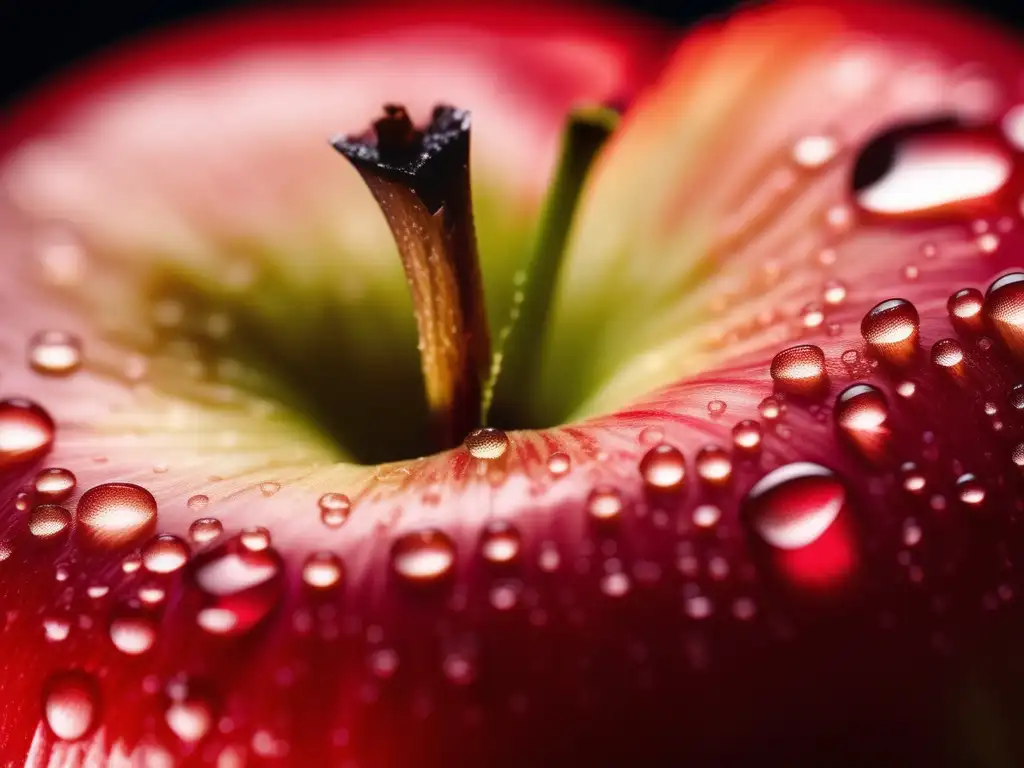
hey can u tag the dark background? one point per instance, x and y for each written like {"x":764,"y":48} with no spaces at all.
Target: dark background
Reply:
{"x":41,"y":37}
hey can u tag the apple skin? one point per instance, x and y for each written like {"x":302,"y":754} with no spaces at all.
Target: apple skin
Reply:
{"x":596,"y":593}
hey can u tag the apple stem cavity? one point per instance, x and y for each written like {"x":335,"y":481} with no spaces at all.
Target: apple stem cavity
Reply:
{"x":420,"y":179}
{"x":521,"y":342}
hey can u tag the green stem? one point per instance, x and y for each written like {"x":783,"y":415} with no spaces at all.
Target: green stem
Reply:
{"x":519,"y":346}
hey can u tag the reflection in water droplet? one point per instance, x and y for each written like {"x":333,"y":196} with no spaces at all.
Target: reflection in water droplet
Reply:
{"x":947,"y":353}
{"x":26,"y":432}
{"x":500,"y":542}
{"x":236,"y":586}
{"x":71,"y":704}
{"x":487,"y":443}
{"x":970,"y":490}
{"x":891,"y":327}
{"x":334,"y":509}
{"x":714,"y":466}
{"x":651,"y":436}
{"x":799,"y":369}
{"x":48,"y":520}
{"x":132,"y":632}
{"x":423,"y":556}
{"x":116,"y":512}
{"x":1004,"y":307}
{"x":663,"y":467}
{"x":54,"y":353}
{"x":205,"y":529}
{"x":322,"y":570}
{"x":164,"y":554}
{"x":792,"y":506}
{"x":918,"y":170}
{"x":54,"y":484}
{"x":604,"y":503}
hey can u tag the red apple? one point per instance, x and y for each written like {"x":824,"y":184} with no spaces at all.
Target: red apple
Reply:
{"x":750,"y":489}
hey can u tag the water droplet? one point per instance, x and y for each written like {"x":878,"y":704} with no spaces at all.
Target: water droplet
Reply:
{"x":48,"y":520}
{"x":970,"y":489}
{"x":965,"y":307}
{"x":906,"y":389}
{"x":714,"y":466}
{"x":769,"y":408}
{"x":322,"y":570}
{"x":663,"y":467}
{"x":558,"y":464}
{"x":920,"y":169}
{"x":132,"y":632}
{"x":255,"y":539}
{"x":891,"y":327}
{"x":54,"y":484}
{"x":151,"y":594}
{"x":26,"y":432}
{"x":814,"y":152}
{"x":1016,"y":397}
{"x":237,"y":587}
{"x":269,"y":488}
{"x":116,"y":512}
{"x":988,"y":242}
{"x":1017,"y":454}
{"x":423,"y":556}
{"x":991,"y":409}
{"x":834,"y":293}
{"x":717,"y":407}
{"x":947,"y":353}
{"x":1004,"y":307}
{"x":204,"y":530}
{"x":334,"y":509}
{"x":604,"y":503}
{"x":913,"y":479}
{"x":799,"y":369}
{"x":500,"y":542}
{"x":812,"y":315}
{"x":190,"y":712}
{"x":706,"y":516}
{"x":164,"y":554}
{"x":1013,"y":126}
{"x":487,"y":443}
{"x":56,"y":628}
{"x":71,"y":704}
{"x":861,"y":412}
{"x":793,"y":505}
{"x":651,"y":436}
{"x":55,"y":353}
{"x":197,"y":502}
{"x":746,"y":435}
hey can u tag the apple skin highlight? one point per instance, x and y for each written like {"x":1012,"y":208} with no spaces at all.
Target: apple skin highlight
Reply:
{"x":772,"y":516}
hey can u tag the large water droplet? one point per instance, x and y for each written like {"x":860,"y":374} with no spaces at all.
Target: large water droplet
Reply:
{"x":663,"y":467}
{"x":322,"y":570}
{"x":487,"y":443}
{"x":500,"y":542}
{"x":792,"y":506}
{"x":334,"y":509}
{"x":922,"y":169}
{"x":164,"y":554}
{"x":800,"y":369}
{"x":113,"y":513}
{"x":54,"y":484}
{"x":1004,"y":307}
{"x":71,"y":704}
{"x":891,"y":327}
{"x":48,"y":520}
{"x":55,"y":353}
{"x":237,"y":587}
{"x":423,"y":556}
{"x":26,"y":432}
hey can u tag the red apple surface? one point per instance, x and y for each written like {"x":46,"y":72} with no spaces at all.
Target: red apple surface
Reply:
{"x":749,"y":489}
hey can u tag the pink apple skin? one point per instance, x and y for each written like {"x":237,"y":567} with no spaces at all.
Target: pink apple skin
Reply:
{"x":727,"y":551}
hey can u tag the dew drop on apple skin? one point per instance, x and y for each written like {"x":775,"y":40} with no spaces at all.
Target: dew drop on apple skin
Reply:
{"x":487,"y":443}
{"x":113,"y":513}
{"x":48,"y":520}
{"x":322,"y":570}
{"x":334,"y":509}
{"x":792,"y":506}
{"x":1004,"y":308}
{"x":663,"y":467}
{"x":714,"y":465}
{"x":422,"y":557}
{"x":132,"y":632}
{"x":26,"y":432}
{"x":916,"y":170}
{"x":799,"y":369}
{"x":71,"y":704}
{"x":891,"y":327}
{"x":203,"y":530}
{"x":164,"y":554}
{"x":500,"y":542}
{"x":54,"y":353}
{"x":604,"y":503}
{"x":54,"y":484}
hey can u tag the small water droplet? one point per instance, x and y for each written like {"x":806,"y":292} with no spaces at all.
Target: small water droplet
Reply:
{"x":891,"y":327}
{"x":793,"y":505}
{"x":799,"y":369}
{"x":812,"y":315}
{"x":1016,"y":397}
{"x":746,"y":435}
{"x":965,"y":306}
{"x":769,"y":408}
{"x":921,"y":169}
{"x":970,"y":489}
{"x":706,"y":516}
{"x":205,"y":529}
{"x":714,"y":465}
{"x":190,"y":710}
{"x":26,"y":432}
{"x":48,"y":520}
{"x":423,"y":556}
{"x":1017,"y":454}
{"x":913,"y":479}
{"x":1004,"y":307}
{"x":151,"y":594}
{"x":906,"y":389}
{"x":947,"y":353}
{"x":132,"y":631}
{"x":237,"y":587}
{"x":815,"y":151}
{"x":717,"y":407}
{"x":663,"y":467}
{"x":334,"y":509}
{"x":71,"y":704}
{"x":322,"y":570}
{"x":487,"y":443}
{"x":54,"y":353}
{"x":500,"y":542}
{"x":54,"y":484}
{"x":604,"y":503}
{"x":861,"y":412}
{"x":56,"y":628}
{"x":164,"y":554}
{"x":113,"y":513}
{"x":558,"y":464}
{"x":269,"y":488}
{"x":255,"y":539}
{"x":198,"y":502}
{"x":651,"y":436}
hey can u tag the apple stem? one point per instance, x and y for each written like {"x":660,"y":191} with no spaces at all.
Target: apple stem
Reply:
{"x":521,"y":342}
{"x":420,"y":179}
